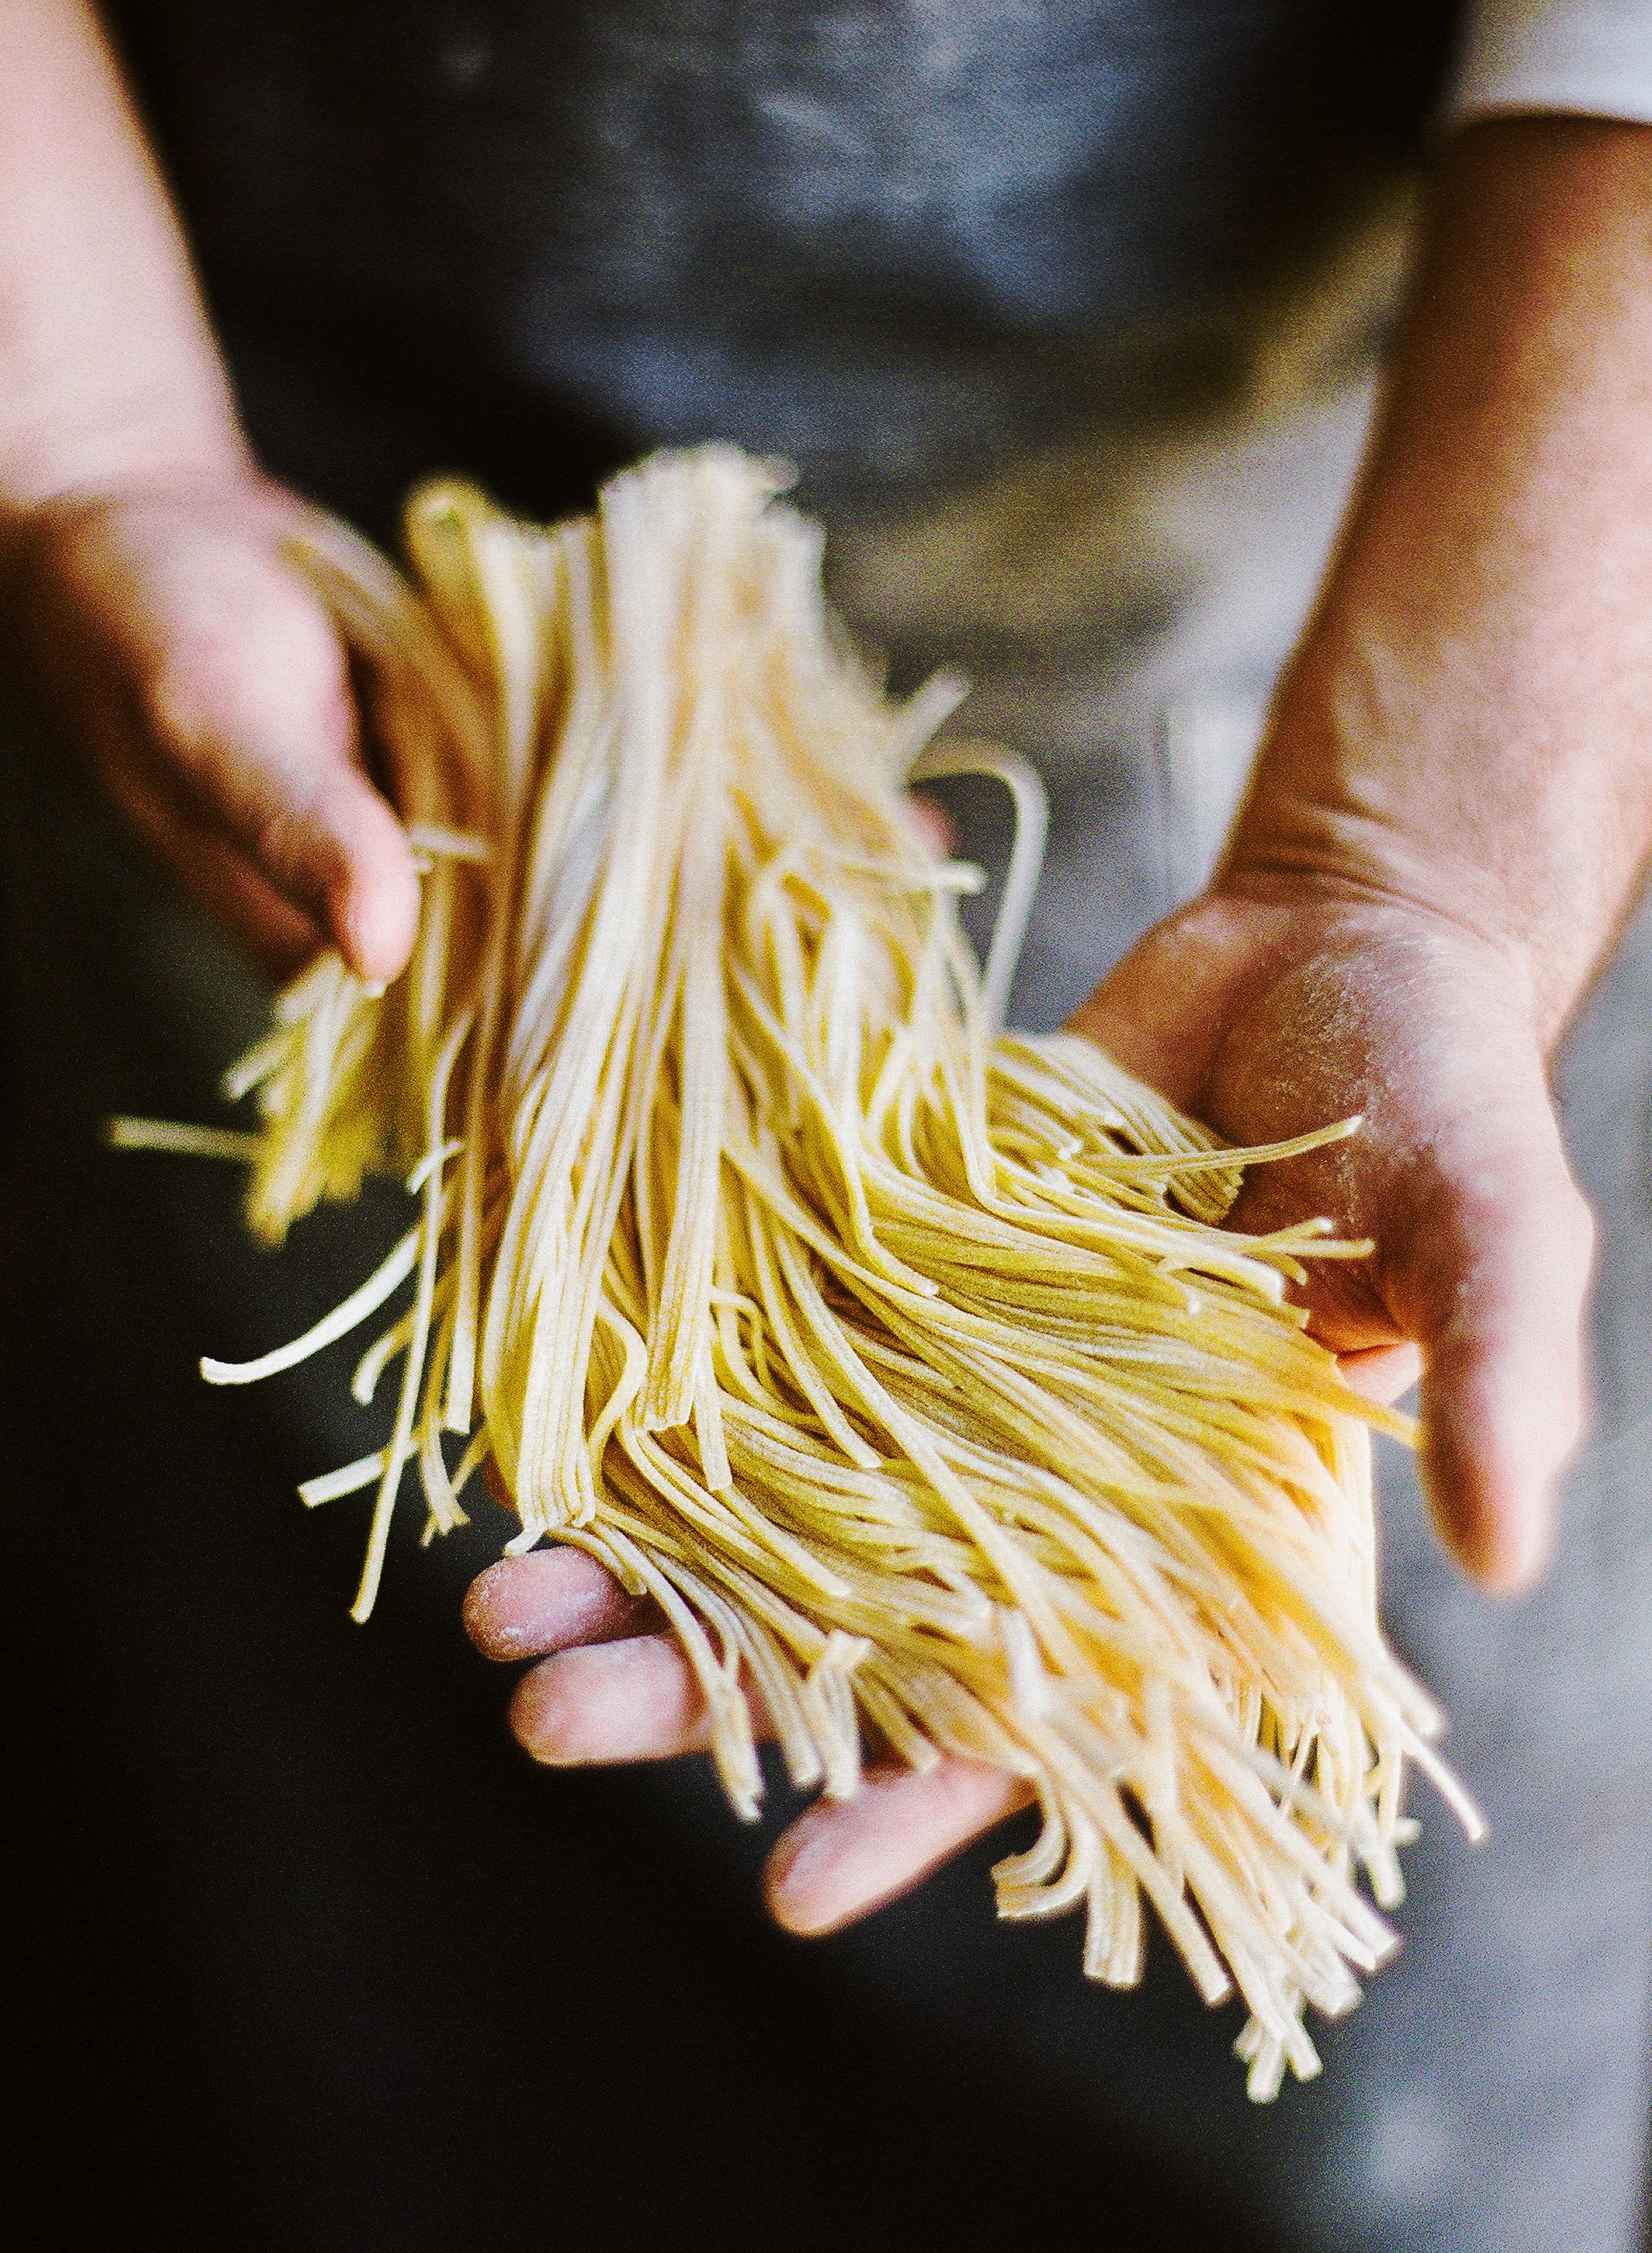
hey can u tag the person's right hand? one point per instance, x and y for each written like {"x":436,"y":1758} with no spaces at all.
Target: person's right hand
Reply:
{"x":209,"y":690}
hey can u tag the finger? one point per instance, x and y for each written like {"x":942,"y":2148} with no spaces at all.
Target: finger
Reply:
{"x":1382,"y":1372}
{"x":935,"y":824}
{"x":523,"y":1607}
{"x":845,"y":1858}
{"x":342,"y":853}
{"x":635,"y":1700}
{"x":190,"y":656}
{"x":279,"y":937}
{"x":260,"y":740}
{"x":1503,"y":1390}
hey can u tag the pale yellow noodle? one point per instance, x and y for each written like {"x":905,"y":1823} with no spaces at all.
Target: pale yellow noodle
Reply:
{"x":900,"y":1360}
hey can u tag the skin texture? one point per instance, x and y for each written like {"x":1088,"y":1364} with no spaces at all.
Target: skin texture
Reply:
{"x":1447,"y":823}
{"x":211,"y":694}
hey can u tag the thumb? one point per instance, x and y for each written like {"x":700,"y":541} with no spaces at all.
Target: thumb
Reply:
{"x":1503,"y":1395}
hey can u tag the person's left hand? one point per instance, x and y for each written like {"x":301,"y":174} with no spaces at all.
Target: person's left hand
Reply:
{"x":208,"y":688}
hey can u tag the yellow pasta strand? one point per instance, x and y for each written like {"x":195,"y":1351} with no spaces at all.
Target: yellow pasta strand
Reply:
{"x":901,"y":1360}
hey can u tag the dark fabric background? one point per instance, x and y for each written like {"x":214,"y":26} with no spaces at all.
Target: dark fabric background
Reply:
{"x":896,"y":240}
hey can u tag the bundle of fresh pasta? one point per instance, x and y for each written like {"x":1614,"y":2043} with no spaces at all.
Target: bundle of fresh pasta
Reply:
{"x":900,"y":1360}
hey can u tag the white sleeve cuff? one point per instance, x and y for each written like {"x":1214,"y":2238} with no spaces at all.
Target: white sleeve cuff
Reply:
{"x":1591,"y":58}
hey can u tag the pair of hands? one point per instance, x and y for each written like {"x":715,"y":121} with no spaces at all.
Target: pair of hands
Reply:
{"x":1446,"y":823}
{"x":212,"y":695}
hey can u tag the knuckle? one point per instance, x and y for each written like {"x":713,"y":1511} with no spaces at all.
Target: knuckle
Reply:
{"x":218,"y":684}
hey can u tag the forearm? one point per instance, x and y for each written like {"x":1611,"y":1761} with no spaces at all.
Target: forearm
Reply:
{"x":108,"y":372}
{"x":1468,"y":725}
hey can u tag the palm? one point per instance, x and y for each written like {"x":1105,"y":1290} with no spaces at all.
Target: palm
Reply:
{"x":1266,"y":1017}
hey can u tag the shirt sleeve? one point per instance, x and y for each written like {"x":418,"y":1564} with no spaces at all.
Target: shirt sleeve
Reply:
{"x":1592,"y":57}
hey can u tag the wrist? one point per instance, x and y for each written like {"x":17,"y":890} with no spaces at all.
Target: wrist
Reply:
{"x":1533,"y":865}
{"x":1467,"y":729}
{"x":143,"y":497}
{"x":78,"y":445}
